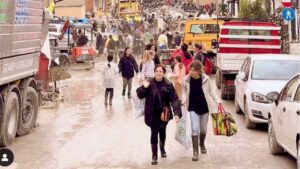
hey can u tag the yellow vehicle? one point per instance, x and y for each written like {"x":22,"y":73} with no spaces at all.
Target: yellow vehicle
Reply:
{"x":129,"y":8}
{"x":202,"y":31}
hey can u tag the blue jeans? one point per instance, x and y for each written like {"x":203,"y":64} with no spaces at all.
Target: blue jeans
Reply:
{"x":199,"y":123}
{"x":163,"y":47}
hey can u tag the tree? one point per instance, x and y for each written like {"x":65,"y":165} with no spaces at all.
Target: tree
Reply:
{"x":258,"y":9}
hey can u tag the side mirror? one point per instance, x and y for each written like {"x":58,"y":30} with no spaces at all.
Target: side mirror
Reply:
{"x":242,"y":76}
{"x":273,"y":96}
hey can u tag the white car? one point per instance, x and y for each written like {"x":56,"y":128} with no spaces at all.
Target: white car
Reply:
{"x":259,"y":75}
{"x":284,"y":120}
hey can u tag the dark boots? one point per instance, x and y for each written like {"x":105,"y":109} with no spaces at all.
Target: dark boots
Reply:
{"x":123,"y":92}
{"x":110,"y":100}
{"x":129,"y":95}
{"x":162,"y":149}
{"x":105,"y":99}
{"x":154,"y":154}
{"x":195,"y":148}
{"x":202,"y":145}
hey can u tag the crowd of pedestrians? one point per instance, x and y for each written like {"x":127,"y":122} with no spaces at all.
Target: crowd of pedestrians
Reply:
{"x":165,"y":93}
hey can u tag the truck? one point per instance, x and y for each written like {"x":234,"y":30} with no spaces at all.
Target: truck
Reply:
{"x":23,"y":33}
{"x":239,"y":39}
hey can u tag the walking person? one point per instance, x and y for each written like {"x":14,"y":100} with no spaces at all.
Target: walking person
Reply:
{"x":153,"y":48}
{"x":100,"y":44}
{"x":199,"y":55}
{"x":163,"y":41}
{"x":127,"y":66}
{"x":178,"y":76}
{"x":200,"y":100}
{"x":109,"y":74}
{"x":112,"y":48}
{"x":129,"y":40}
{"x":160,"y":96}
{"x":148,"y":65}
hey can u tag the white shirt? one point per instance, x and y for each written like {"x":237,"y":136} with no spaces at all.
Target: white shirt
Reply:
{"x":148,"y":70}
{"x":129,"y":41}
{"x":162,"y":40}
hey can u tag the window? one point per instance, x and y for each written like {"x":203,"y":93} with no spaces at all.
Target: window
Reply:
{"x":275,"y":69}
{"x":297,"y":96}
{"x":205,"y":28}
{"x":289,"y":90}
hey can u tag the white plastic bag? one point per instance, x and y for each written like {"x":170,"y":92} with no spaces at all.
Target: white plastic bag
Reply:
{"x":183,"y":130}
{"x":139,"y":105}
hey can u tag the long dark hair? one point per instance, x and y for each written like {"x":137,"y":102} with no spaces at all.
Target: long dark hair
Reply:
{"x":184,"y":48}
{"x":109,"y":59}
{"x":125,"y":51}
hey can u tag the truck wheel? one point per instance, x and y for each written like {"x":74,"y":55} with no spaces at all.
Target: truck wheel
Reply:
{"x":218,"y":79}
{"x":249,"y":124}
{"x":274,"y":147}
{"x":29,"y":112}
{"x":238,"y":109}
{"x":223,"y":95}
{"x":9,"y":119}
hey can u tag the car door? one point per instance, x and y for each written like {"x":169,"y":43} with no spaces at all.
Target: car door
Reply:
{"x":240,"y":83}
{"x":287,"y":123}
{"x":292,"y":120}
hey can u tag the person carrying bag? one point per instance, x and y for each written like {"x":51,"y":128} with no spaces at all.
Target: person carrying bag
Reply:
{"x":160,"y":96}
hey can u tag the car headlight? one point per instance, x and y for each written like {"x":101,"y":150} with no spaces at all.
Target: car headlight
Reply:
{"x":257,"y":97}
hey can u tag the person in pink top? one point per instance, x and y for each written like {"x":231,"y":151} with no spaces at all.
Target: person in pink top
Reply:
{"x":178,"y":76}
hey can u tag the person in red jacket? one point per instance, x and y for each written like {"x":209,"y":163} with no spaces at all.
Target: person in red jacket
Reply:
{"x":186,"y":56}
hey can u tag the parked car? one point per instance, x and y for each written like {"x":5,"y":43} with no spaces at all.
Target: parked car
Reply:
{"x":259,"y":75}
{"x":284,"y":120}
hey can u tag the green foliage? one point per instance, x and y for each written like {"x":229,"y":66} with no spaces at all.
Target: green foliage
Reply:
{"x":258,"y":9}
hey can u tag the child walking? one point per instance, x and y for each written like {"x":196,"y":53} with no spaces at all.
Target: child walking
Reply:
{"x":110,"y":74}
{"x":178,"y":76}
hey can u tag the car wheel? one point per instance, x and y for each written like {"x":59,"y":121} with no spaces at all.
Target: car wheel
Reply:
{"x":249,"y":124}
{"x":238,"y":109}
{"x":274,"y":147}
{"x":298,"y":155}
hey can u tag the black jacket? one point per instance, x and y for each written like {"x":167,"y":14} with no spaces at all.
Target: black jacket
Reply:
{"x":127,"y":66}
{"x":152,"y":117}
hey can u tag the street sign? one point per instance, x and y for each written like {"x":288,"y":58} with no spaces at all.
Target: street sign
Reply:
{"x":286,"y":3}
{"x":288,"y":14}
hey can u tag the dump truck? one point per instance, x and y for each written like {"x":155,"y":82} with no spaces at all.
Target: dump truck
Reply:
{"x":238,"y":40}
{"x":23,"y":32}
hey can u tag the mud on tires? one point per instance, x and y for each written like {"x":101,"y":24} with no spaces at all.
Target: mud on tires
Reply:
{"x":9,"y":119}
{"x":28,"y":115}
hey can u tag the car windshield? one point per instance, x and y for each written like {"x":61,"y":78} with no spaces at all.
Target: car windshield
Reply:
{"x":275,"y":69}
{"x":205,"y":28}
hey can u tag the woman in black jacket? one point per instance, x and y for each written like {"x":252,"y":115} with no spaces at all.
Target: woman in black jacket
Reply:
{"x":160,"y":97}
{"x":127,"y":66}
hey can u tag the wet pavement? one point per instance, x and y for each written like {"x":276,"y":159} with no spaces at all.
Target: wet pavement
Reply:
{"x":80,"y":132}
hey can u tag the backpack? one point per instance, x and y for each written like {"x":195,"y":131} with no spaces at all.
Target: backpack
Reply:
{"x":112,"y":44}
{"x":208,"y":66}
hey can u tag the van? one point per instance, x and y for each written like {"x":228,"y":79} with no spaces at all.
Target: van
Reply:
{"x":203,"y":31}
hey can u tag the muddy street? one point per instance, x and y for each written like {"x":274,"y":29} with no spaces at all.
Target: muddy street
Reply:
{"x":78,"y":131}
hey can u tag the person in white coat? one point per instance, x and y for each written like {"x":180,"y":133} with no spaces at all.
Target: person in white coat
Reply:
{"x":200,"y":99}
{"x":109,"y":74}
